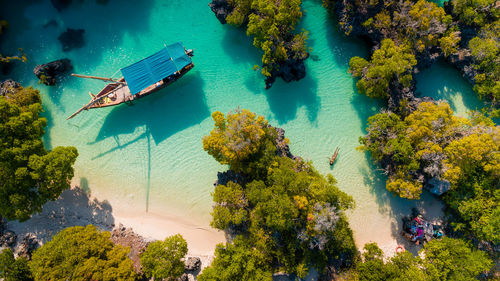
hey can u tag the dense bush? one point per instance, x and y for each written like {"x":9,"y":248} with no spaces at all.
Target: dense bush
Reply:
{"x":29,"y":174}
{"x":286,"y":217}
{"x":388,"y":63}
{"x":163,"y":259}
{"x":12,"y":269}
{"x":82,"y":253}
{"x":485,"y":49}
{"x":431,"y":143}
{"x":271,"y":23}
{"x":475,"y":12}
{"x":446,"y":259}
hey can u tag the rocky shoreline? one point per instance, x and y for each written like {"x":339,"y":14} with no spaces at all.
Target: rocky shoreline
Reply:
{"x":120,"y":235}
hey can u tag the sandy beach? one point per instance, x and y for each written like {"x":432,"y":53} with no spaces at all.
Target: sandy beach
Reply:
{"x":75,"y":207}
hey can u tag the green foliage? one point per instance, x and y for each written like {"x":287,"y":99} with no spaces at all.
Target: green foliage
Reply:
{"x":287,"y":215}
{"x":271,"y":23}
{"x":421,"y":23}
{"x":238,"y":261}
{"x":485,"y":50}
{"x":473,"y":168}
{"x":413,"y":146}
{"x":82,"y":253}
{"x":475,"y":12}
{"x":453,"y":259}
{"x":388,"y":63}
{"x":163,"y":259}
{"x":432,"y":143}
{"x":440,"y":260}
{"x":29,"y":174}
{"x":449,"y":43}
{"x":231,"y":206}
{"x":14,"y":269}
{"x":240,"y":138}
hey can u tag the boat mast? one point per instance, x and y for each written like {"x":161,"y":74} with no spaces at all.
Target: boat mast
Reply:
{"x":96,"y":77}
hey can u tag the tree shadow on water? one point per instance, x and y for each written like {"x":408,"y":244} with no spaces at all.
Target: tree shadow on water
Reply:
{"x":365,"y":106}
{"x":163,"y":114}
{"x":239,"y":46}
{"x":74,"y":207}
{"x":285,"y":98}
{"x":344,"y":47}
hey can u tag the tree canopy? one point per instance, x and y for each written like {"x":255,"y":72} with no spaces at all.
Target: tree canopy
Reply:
{"x":163,"y":259}
{"x":287,"y":216}
{"x":445,"y":259}
{"x":29,"y":174}
{"x":271,"y":23}
{"x":12,"y":269}
{"x":433,"y":144}
{"x":82,"y":253}
{"x":390,"y":62}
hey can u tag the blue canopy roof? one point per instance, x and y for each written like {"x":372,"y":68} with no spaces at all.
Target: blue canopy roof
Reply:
{"x":154,"y":68}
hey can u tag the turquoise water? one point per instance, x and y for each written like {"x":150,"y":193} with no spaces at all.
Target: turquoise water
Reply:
{"x":149,"y":156}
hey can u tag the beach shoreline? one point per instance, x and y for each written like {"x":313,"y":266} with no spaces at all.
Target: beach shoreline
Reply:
{"x":75,"y":207}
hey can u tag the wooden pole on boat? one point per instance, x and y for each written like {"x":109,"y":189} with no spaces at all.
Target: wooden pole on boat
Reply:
{"x":94,"y":100}
{"x":96,"y":77}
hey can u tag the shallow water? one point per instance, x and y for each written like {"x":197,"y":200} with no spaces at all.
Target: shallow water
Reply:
{"x":149,"y":156}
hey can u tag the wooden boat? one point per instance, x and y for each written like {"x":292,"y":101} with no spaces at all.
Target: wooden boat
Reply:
{"x":142,"y":78}
{"x":334,"y":156}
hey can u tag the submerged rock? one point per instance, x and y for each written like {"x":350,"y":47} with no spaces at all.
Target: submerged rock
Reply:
{"x":47,"y":73}
{"x":71,"y":39}
{"x":221,"y":9}
{"x":50,"y":24}
{"x":61,"y":4}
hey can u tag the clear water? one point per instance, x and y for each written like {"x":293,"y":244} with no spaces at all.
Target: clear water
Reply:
{"x":149,"y":156}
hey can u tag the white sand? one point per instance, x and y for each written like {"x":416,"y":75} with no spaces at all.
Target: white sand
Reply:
{"x":75,"y":207}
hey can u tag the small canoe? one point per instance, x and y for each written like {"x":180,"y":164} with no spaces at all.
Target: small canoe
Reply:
{"x":334,"y":156}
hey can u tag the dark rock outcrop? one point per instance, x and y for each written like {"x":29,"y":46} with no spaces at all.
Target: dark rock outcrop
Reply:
{"x":8,"y":238}
{"x":61,"y":4}
{"x":289,"y":70}
{"x":8,"y":87}
{"x":193,"y":264}
{"x":221,"y":9}
{"x":463,"y":61}
{"x":28,"y":246}
{"x":128,"y":238}
{"x":184,"y":277}
{"x":229,"y":175}
{"x":437,"y":186}
{"x":72,"y":39}
{"x":282,"y":148}
{"x":47,"y":73}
